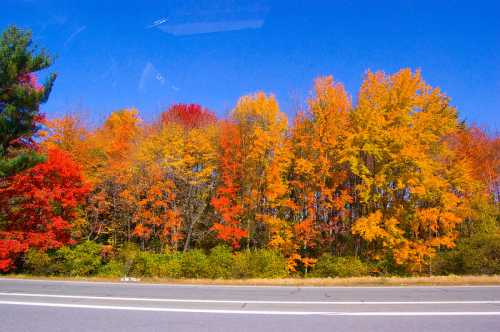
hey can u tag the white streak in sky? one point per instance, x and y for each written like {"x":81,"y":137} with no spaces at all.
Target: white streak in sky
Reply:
{"x":74,"y":34}
{"x":157,"y":23}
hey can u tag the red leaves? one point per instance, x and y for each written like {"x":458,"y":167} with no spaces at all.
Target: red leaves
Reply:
{"x":30,"y":80}
{"x":39,"y":205}
{"x":9,"y":250}
{"x":226,"y":201}
{"x":482,"y":151}
{"x":188,"y":115}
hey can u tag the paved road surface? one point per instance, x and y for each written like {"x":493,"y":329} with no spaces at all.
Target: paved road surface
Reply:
{"x":30,"y":305}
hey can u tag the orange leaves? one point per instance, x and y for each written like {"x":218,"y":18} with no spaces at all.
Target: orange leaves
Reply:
{"x":482,"y":153}
{"x":391,"y":176}
{"x":253,"y":159}
{"x":142,"y":231}
{"x":155,"y":214}
{"x":117,"y":138}
{"x":227,"y":201}
{"x":305,"y":233}
{"x":318,"y":172}
{"x":230,"y":232}
{"x":295,"y":260}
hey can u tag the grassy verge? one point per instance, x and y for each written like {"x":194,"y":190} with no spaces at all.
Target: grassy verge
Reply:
{"x":360,"y":281}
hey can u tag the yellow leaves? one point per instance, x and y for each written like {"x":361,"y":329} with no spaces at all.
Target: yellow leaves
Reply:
{"x":388,"y":163}
{"x":403,"y":166}
{"x":303,"y":166}
{"x":259,"y":110}
{"x":281,"y":235}
{"x":370,"y":228}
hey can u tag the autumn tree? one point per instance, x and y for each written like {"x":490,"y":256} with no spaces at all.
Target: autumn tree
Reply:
{"x":227,"y":200}
{"x":189,"y":116}
{"x":69,"y":133}
{"x":112,"y":148}
{"x":481,"y":151}
{"x":190,"y":139}
{"x":252,"y":169}
{"x":179,"y":155}
{"x":38,"y":207}
{"x":319,"y":177}
{"x":409,"y":193}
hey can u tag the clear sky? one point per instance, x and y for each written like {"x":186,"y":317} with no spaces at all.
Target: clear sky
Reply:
{"x":149,"y":54}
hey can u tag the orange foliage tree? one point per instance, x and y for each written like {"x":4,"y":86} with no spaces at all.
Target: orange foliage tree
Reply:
{"x":319,"y":175}
{"x":252,"y":170}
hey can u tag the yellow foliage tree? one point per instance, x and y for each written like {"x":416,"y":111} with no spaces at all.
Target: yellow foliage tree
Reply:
{"x":409,"y":193}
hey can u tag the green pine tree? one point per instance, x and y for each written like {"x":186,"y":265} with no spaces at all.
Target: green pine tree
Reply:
{"x":20,"y":98}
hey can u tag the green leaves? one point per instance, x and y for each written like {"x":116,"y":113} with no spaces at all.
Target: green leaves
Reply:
{"x":20,"y":97}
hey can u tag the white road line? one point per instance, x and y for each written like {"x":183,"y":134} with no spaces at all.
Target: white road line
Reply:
{"x":187,"y":285}
{"x":256,"y":312}
{"x":144,"y":299}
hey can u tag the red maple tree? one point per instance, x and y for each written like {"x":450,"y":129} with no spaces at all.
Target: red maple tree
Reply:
{"x":226,"y":201}
{"x":38,"y":205}
{"x":188,"y":115}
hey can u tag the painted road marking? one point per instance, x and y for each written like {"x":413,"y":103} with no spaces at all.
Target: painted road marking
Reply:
{"x":256,"y":312}
{"x":143,"y":299}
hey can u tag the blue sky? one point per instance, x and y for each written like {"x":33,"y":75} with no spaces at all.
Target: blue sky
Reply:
{"x":149,"y":54}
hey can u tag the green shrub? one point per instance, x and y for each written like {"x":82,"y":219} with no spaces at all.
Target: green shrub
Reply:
{"x":261,"y":263}
{"x":37,"y":262}
{"x":194,"y":264}
{"x":479,"y":254}
{"x":113,"y":268}
{"x":169,"y":265}
{"x":243,"y":265}
{"x":332,"y":266}
{"x":220,"y":263}
{"x":143,"y":264}
{"x":81,"y":260}
{"x":127,"y":254}
{"x":147,"y":264}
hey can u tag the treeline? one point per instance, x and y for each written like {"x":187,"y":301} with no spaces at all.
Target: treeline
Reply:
{"x":390,"y":183}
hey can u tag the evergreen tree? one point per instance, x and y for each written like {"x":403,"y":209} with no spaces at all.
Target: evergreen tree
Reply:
{"x":20,"y":99}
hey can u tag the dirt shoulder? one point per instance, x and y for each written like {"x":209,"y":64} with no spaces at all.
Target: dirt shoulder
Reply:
{"x":351,"y":282}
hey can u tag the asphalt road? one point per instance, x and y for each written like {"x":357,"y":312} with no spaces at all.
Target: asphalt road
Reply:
{"x":31,"y":305}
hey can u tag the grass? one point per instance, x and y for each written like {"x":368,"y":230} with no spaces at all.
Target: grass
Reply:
{"x":359,"y":281}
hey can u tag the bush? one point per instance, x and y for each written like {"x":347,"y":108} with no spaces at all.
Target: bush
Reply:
{"x":37,"y":262}
{"x":220,"y":262}
{"x":143,"y":264}
{"x":127,"y":255}
{"x":194,"y":264}
{"x":479,"y":254}
{"x":261,"y":263}
{"x":113,"y":268}
{"x":169,"y":265}
{"x":332,"y":266}
{"x":81,"y":260}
